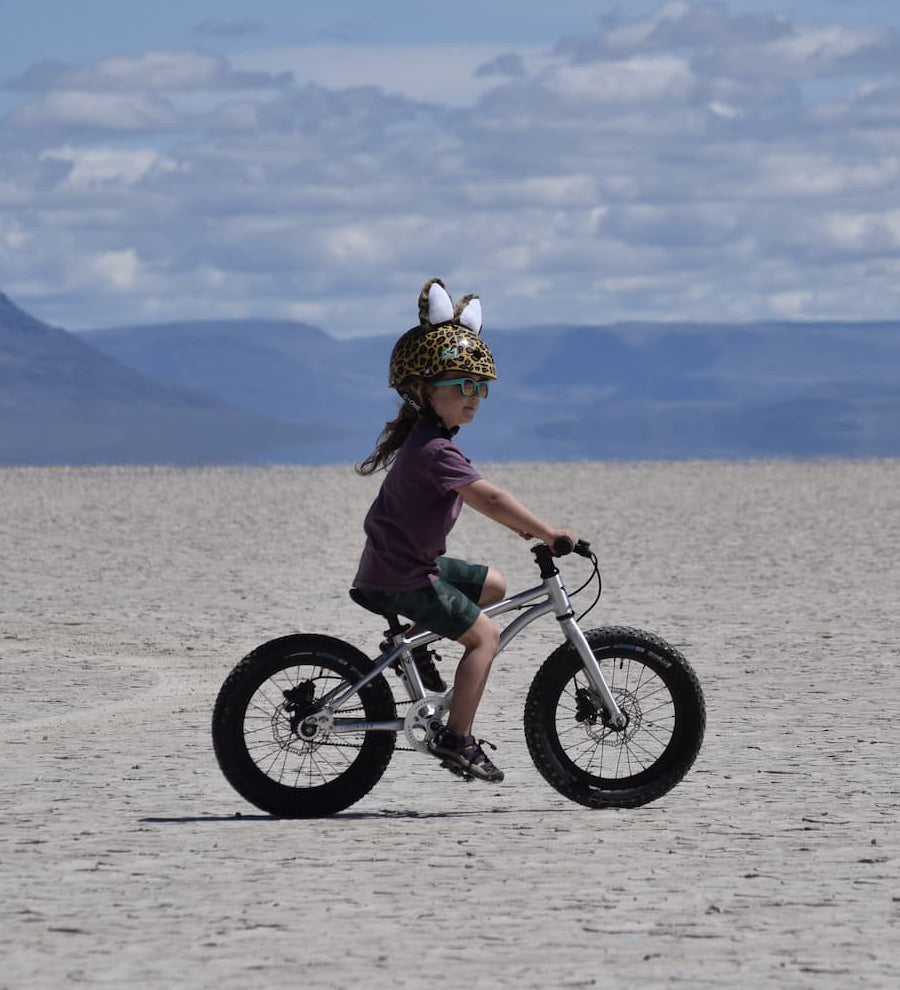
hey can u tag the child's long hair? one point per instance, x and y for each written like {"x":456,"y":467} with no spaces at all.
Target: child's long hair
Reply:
{"x":390,"y":440}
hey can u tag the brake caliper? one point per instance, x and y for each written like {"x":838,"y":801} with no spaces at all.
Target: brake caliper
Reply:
{"x":585,"y":707}
{"x":299,"y":702}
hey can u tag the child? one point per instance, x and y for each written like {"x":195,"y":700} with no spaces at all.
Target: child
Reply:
{"x":441,"y":369}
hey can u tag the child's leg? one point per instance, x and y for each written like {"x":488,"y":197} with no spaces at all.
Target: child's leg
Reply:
{"x":480,"y":641}
{"x":450,"y":602}
{"x":494,"y":588}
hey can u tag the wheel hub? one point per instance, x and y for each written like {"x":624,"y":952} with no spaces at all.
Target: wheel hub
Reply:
{"x":589,"y":711}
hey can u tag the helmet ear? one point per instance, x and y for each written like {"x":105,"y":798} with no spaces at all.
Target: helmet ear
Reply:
{"x":446,"y":339}
{"x":468,"y":313}
{"x":435,"y":304}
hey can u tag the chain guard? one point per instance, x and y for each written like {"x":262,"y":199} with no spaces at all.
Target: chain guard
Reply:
{"x":424,"y":718}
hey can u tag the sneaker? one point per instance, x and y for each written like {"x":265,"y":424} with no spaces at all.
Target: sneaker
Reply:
{"x":423,"y":657}
{"x":464,"y":756}
{"x":431,"y":679}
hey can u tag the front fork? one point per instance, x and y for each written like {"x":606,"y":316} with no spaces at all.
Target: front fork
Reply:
{"x":565,"y":616}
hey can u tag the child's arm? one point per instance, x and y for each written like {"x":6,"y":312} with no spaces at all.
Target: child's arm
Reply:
{"x":505,"y":508}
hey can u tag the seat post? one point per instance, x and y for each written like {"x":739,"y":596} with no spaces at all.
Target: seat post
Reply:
{"x":395,"y":627}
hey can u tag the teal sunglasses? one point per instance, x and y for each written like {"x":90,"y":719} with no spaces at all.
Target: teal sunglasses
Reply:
{"x":468,"y":386}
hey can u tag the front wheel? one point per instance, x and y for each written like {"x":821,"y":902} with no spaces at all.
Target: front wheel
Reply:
{"x":579,"y":753}
{"x":257,"y":722}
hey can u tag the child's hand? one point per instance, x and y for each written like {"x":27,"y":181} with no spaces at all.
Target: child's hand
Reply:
{"x":554,"y":534}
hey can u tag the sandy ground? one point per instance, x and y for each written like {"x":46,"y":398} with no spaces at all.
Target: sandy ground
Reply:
{"x":127,"y":861}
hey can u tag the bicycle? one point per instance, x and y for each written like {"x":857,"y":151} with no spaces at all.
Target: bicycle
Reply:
{"x":305,"y":725}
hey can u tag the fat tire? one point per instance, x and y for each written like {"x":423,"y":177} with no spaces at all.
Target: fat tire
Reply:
{"x":301,"y":653}
{"x":550,"y":712}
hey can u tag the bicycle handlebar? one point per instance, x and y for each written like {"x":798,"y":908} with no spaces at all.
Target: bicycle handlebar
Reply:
{"x":563,"y":546}
{"x":544,"y":554}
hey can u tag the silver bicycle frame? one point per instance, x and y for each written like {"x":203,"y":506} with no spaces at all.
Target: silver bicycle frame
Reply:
{"x":555,"y":599}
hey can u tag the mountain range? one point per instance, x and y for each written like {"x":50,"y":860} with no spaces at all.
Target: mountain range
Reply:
{"x":259,"y":391}
{"x":64,"y":402}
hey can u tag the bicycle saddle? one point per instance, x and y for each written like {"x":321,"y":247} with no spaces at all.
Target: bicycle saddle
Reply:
{"x":393,"y":620}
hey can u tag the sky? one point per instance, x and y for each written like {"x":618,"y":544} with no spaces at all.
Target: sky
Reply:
{"x":571,"y":162}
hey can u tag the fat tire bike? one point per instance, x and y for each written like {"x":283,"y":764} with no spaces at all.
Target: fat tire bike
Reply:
{"x":305,"y":725}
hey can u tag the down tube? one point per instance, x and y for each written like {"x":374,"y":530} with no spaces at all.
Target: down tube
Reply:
{"x":520,"y":622}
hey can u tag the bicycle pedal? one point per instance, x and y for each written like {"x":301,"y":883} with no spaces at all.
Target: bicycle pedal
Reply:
{"x":457,"y":771}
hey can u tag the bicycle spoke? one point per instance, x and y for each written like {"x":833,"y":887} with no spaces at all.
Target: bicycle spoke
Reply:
{"x":279,"y":752}
{"x":604,"y":753}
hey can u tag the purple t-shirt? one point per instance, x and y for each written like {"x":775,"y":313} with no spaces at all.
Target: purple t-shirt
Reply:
{"x":407,"y":525}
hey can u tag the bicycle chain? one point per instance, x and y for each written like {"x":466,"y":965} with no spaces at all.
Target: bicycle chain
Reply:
{"x":340,"y":745}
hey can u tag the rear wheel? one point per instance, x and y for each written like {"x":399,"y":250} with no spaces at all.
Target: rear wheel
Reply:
{"x":258,"y":736}
{"x":576,"y":749}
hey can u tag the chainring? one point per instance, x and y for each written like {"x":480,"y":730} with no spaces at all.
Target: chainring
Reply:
{"x":424,"y":717}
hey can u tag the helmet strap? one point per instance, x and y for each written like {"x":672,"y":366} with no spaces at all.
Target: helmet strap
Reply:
{"x":426,"y":411}
{"x":410,"y":398}
{"x":429,"y":414}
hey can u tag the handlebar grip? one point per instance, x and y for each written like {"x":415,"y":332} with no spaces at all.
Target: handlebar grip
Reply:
{"x":562,"y":546}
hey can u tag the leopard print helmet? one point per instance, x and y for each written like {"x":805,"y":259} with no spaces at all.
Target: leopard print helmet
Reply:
{"x":448,"y":338}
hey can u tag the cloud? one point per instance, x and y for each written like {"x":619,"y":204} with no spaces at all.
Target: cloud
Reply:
{"x":509,"y":64}
{"x":152,"y":71}
{"x":86,"y":110}
{"x":798,"y":174}
{"x":347,"y":30}
{"x":447,"y":74}
{"x":634,"y":80}
{"x":103,"y":166}
{"x":699,"y":27}
{"x":691,"y":164}
{"x":118,"y":269}
{"x":12,"y":238}
{"x":867,"y":232}
{"x":227,"y":29}
{"x":873,"y":104}
{"x":831,"y":50}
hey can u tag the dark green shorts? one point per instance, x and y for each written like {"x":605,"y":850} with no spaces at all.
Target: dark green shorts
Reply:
{"x":447,"y":606}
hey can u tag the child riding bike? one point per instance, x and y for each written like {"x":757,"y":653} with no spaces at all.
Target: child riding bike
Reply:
{"x":441,"y":369}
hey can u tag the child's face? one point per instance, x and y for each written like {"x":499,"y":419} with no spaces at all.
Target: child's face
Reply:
{"x":451,"y":405}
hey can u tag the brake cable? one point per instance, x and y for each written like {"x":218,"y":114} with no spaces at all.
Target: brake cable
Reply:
{"x":582,"y":549}
{"x":595,"y":572}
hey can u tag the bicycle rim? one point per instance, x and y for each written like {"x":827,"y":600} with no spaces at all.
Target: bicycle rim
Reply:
{"x":274,"y":747}
{"x":570,"y":737}
{"x":258,"y":728}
